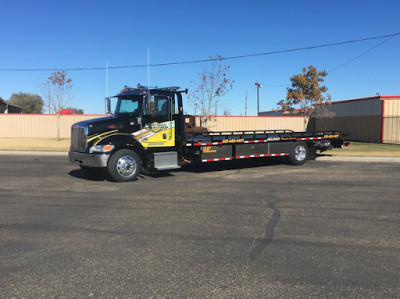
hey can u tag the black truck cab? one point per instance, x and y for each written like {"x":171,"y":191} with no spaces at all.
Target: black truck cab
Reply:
{"x":146,"y":121}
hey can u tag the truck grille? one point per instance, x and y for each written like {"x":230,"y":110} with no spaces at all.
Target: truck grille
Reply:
{"x":78,"y":138}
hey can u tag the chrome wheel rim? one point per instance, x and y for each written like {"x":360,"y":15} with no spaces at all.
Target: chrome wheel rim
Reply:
{"x":126,"y":166}
{"x":300,"y":153}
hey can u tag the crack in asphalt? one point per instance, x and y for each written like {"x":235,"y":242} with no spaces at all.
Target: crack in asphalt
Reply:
{"x":269,"y":230}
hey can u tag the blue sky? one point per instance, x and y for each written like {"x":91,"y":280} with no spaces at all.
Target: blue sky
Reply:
{"x":87,"y":33}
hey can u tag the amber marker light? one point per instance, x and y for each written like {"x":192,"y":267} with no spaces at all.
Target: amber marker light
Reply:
{"x":101,"y":148}
{"x":108,"y":148}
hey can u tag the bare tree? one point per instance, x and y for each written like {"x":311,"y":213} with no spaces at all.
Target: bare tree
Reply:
{"x":212,"y":83}
{"x":57,"y":90}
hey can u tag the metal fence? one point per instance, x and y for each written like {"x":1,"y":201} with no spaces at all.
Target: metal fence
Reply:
{"x":368,"y":128}
{"x":39,"y":125}
{"x":252,"y":123}
{"x":45,"y":126}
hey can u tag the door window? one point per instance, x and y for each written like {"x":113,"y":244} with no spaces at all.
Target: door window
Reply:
{"x":161,"y":104}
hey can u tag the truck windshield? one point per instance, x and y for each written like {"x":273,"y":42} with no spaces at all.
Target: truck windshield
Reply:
{"x":129,"y":105}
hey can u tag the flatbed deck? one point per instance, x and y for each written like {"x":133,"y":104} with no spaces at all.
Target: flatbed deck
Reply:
{"x":226,"y":137}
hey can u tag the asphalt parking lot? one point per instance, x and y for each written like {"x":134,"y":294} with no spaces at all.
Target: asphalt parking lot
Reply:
{"x":324,"y":229}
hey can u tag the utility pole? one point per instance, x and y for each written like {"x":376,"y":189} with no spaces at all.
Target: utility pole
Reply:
{"x":245,"y":105}
{"x":107,"y":79}
{"x":258,"y":96}
{"x":49,"y":99}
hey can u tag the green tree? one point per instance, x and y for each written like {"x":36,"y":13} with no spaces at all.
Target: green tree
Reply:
{"x":78,"y":111}
{"x":30,"y":103}
{"x":211,"y":84}
{"x":307,"y":95}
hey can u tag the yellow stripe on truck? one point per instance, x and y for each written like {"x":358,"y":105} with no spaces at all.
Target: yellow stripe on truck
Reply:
{"x":97,"y":136}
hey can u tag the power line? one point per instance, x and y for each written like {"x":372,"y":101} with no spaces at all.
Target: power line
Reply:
{"x":315,"y":47}
{"x":355,"y":58}
{"x":347,"y":62}
{"x":203,"y":60}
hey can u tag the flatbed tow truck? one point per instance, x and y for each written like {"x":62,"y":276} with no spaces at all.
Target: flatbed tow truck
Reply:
{"x":149,"y":132}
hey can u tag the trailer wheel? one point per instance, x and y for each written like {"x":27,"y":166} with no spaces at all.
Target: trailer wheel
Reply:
{"x":298,"y":154}
{"x":124,"y":166}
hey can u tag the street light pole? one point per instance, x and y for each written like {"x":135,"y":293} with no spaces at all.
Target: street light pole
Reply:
{"x":245,"y":106}
{"x":258,"y":96}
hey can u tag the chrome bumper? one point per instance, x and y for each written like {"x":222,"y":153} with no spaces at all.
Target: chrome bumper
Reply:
{"x":92,"y":160}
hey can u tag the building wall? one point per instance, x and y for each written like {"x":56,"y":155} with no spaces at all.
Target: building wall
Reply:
{"x":360,"y":128}
{"x":391,"y":120}
{"x":271,"y":113}
{"x":361,"y":107}
{"x":38,"y":125}
{"x":361,"y":119}
{"x":375,"y":119}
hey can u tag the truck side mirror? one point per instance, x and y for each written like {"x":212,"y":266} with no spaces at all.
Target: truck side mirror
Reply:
{"x":108,"y":106}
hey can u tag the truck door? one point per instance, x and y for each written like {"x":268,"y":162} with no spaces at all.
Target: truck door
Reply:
{"x":158,"y":127}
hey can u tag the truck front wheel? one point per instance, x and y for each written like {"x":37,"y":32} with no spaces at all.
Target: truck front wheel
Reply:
{"x":298,"y":154}
{"x":124,"y":166}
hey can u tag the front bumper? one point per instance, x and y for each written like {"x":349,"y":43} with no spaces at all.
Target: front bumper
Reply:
{"x":91,"y":160}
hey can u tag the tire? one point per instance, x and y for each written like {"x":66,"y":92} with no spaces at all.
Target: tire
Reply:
{"x":124,"y":166}
{"x":299,"y":153}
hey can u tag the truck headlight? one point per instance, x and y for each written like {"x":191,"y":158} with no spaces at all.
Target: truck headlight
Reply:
{"x":101,"y":148}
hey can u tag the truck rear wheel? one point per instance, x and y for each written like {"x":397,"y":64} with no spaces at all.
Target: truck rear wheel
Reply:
{"x":298,"y":154}
{"x":124,"y":166}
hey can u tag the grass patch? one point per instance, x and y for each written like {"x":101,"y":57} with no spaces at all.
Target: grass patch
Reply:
{"x":366,"y":150}
{"x":34,"y":144}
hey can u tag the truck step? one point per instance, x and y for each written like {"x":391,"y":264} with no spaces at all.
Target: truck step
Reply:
{"x":166,"y":160}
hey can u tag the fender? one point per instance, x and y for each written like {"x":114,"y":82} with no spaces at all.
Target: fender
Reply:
{"x":122,"y":140}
